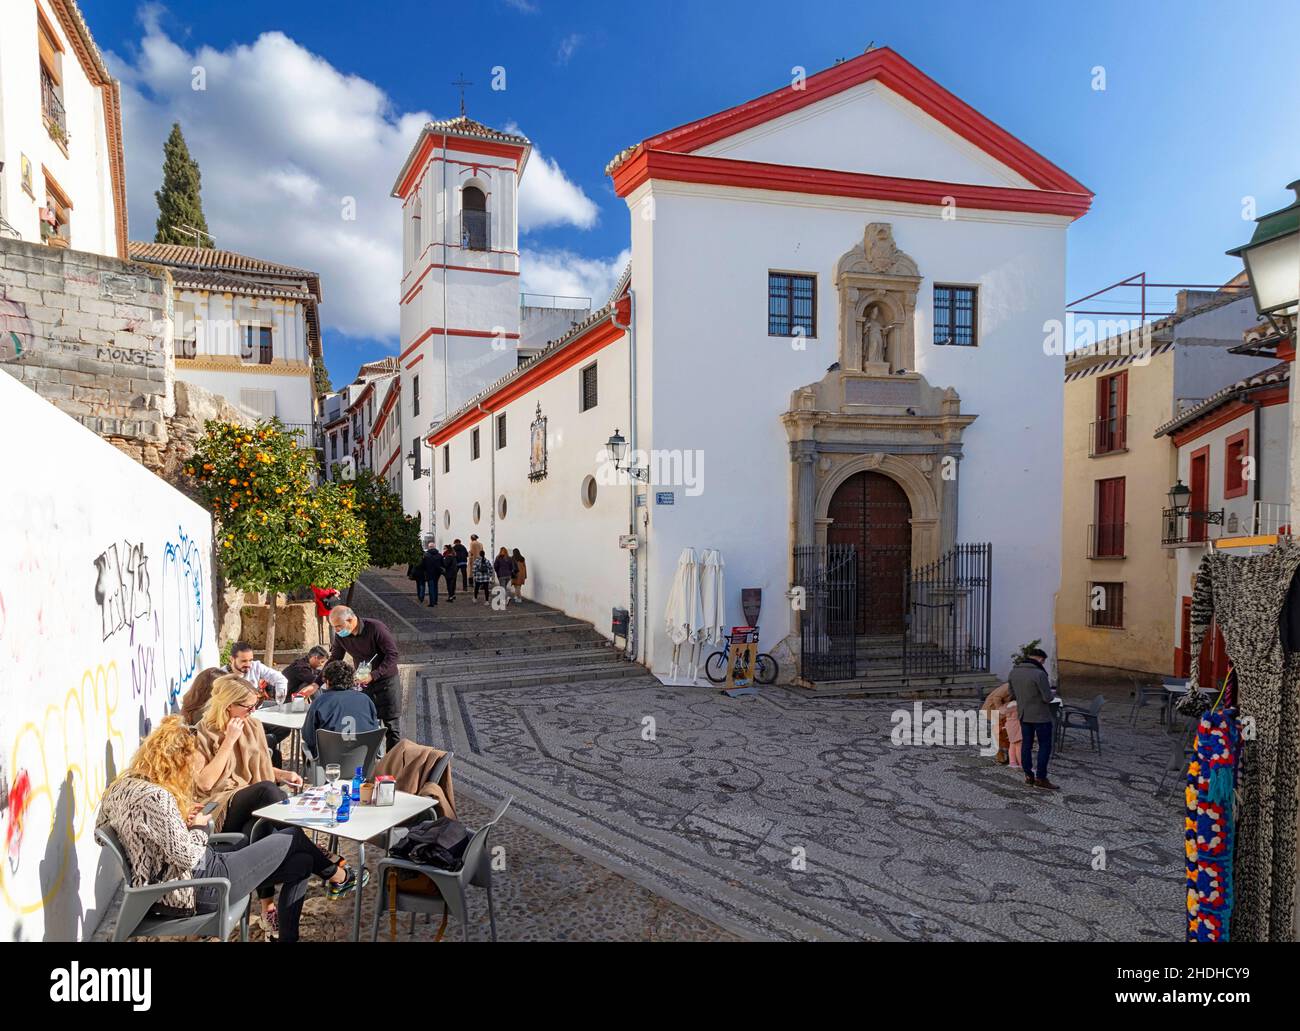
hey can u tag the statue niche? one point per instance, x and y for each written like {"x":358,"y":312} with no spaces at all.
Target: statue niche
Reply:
{"x":877,"y":284}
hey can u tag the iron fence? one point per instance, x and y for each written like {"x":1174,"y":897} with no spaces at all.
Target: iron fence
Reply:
{"x":949,"y":613}
{"x":828,"y":623}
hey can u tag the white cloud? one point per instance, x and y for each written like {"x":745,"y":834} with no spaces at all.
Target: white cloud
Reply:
{"x":283,"y":140}
{"x":568,"y":47}
{"x":569,"y":275}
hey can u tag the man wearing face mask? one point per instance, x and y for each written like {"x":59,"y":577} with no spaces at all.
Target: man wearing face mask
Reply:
{"x":368,"y":642}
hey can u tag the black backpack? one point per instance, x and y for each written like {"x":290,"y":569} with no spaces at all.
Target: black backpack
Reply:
{"x":440,"y":843}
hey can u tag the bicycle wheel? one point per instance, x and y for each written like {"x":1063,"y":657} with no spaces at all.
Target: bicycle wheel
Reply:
{"x":765,"y":669}
{"x":715,"y":667}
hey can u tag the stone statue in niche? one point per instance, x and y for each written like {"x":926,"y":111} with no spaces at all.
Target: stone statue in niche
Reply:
{"x":873,"y":337}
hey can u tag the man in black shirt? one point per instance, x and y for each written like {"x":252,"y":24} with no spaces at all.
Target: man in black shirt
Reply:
{"x":369,"y":643}
{"x":304,"y":674}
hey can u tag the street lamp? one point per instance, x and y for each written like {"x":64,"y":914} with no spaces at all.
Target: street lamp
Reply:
{"x":1179,"y":495}
{"x":1272,"y":260}
{"x":617,"y":447}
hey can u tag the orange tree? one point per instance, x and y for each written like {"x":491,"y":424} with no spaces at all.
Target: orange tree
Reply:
{"x":392,"y":536}
{"x":275,"y":531}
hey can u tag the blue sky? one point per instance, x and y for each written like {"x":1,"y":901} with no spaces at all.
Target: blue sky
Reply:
{"x":1198,"y":112}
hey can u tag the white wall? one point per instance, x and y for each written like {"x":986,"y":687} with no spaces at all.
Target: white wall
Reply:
{"x":83,"y":173}
{"x":719,"y":383}
{"x":574,"y":561}
{"x":88,"y":659}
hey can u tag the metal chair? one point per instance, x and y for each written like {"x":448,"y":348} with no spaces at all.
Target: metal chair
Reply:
{"x":349,"y":751}
{"x":134,"y":919}
{"x":1174,"y":689}
{"x":1089,"y":718}
{"x":476,"y":870}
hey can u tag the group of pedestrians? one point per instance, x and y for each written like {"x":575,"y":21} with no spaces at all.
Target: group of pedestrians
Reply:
{"x":456,"y":560}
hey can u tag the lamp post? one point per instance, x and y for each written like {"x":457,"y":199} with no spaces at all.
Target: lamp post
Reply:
{"x":1272,"y":260}
{"x":617,"y":448}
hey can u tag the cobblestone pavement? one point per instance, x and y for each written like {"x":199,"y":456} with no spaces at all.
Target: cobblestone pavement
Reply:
{"x":718,"y":810}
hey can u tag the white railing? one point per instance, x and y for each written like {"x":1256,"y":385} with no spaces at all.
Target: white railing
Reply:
{"x":1271,"y":517}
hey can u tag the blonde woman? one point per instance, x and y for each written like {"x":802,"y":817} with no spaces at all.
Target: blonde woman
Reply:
{"x":151,"y":809}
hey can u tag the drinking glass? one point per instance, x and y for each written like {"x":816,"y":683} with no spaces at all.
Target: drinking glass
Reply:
{"x":333,"y":799}
{"x":281,"y":690}
{"x":332,"y":772}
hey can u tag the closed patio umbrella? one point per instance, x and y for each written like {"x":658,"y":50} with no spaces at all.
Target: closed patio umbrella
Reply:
{"x":682,"y":615}
{"x":713,"y":604}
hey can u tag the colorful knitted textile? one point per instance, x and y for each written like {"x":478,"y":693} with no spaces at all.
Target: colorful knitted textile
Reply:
{"x":1211,"y":784}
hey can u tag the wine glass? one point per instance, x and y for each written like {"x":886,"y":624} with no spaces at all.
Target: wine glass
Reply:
{"x":332,"y":773}
{"x":333,"y":799}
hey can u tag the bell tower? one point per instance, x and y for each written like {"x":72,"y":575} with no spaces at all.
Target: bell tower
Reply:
{"x":459,"y":291}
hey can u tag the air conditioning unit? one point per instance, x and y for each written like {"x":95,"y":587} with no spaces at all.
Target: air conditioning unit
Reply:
{"x":347,"y":468}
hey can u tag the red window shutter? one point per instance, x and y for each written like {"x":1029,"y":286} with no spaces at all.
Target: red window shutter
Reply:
{"x":1121,"y":411}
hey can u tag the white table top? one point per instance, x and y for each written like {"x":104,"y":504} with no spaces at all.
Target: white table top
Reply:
{"x":272,"y":717}
{"x":366,"y":821}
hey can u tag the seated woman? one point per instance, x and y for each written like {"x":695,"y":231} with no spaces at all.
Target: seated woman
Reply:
{"x":164,"y":834}
{"x":339,"y":703}
{"x":237,"y":773}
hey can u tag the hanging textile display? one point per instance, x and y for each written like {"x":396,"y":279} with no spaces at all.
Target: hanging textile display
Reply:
{"x":1247,"y":598}
{"x":1211,"y":785}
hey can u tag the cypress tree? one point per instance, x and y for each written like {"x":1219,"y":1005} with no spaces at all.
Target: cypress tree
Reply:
{"x":179,"y":202}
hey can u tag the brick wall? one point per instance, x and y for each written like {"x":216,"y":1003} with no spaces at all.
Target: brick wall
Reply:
{"x":92,"y":335}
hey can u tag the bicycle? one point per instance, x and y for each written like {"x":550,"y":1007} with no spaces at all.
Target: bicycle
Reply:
{"x":766,"y":668}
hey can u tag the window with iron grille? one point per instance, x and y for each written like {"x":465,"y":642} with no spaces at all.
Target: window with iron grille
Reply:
{"x":474,"y":219}
{"x":257,"y":345}
{"x":446,"y":458}
{"x":415,"y":396}
{"x":501,"y":431}
{"x":1106,"y":605}
{"x":473,"y":444}
{"x":954,"y":315}
{"x":588,"y":399}
{"x":791,"y":305}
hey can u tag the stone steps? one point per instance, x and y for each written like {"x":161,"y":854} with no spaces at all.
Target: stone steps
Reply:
{"x":478,"y":662}
{"x":610,"y":670}
{"x":963,"y":685}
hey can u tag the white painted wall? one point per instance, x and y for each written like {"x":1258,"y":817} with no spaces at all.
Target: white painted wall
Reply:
{"x":86,"y":664}
{"x":574,"y":561}
{"x":718,"y":383}
{"x":83,"y":173}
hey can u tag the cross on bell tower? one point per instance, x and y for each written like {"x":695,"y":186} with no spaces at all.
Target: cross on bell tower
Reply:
{"x":462,"y":83}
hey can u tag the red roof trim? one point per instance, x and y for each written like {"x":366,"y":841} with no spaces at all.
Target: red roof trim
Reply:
{"x":690,"y":168}
{"x":596,"y":337}
{"x":1273,"y":394}
{"x":460,"y":144}
{"x":887,"y":67}
{"x":387,"y":407}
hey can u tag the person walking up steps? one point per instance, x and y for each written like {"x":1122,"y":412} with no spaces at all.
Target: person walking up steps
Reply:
{"x":483,"y":577}
{"x":462,"y":563}
{"x":449,"y":571}
{"x":504,"y":567}
{"x":521,"y":574}
{"x":433,"y":569}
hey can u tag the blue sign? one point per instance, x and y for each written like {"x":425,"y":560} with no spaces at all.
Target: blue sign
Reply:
{"x":665,"y":497}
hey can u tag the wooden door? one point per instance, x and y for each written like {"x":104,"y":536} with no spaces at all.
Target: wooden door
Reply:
{"x":871,"y":512}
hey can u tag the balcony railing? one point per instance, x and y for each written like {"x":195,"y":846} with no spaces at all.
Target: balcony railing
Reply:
{"x":1106,"y":540}
{"x":56,"y":119}
{"x":1189,"y":528}
{"x":1271,"y":518}
{"x":1107,"y":436}
{"x":474,"y":228}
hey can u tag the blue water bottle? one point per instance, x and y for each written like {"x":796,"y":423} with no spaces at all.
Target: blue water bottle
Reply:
{"x":357,"y":778}
{"x":345,"y":807}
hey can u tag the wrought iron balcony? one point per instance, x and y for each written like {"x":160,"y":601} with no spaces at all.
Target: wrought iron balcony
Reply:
{"x":1107,"y":436}
{"x":56,"y":118}
{"x":1181,"y":527}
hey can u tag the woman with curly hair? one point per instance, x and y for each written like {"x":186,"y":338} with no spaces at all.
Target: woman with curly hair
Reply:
{"x":164,"y":833}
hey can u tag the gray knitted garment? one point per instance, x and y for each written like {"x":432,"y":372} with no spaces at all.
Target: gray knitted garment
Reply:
{"x":1245,"y":597}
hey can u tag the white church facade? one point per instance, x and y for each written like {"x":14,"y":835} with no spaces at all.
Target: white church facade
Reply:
{"x":829,"y":356}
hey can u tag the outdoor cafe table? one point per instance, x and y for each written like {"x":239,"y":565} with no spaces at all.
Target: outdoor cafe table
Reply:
{"x":273,"y":716}
{"x":366,"y":823}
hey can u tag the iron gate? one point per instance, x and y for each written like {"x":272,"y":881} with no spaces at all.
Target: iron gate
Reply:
{"x":949,"y":613}
{"x":829,"y":619}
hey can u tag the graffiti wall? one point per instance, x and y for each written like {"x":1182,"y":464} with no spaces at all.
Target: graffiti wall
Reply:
{"x":105,"y":617}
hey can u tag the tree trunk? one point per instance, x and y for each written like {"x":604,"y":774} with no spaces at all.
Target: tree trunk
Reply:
{"x":269,"y":658}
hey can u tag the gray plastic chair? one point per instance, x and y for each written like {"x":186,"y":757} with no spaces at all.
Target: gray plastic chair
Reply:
{"x":1142,"y":694}
{"x":349,"y":752}
{"x":476,"y":870}
{"x":133,"y":919}
{"x":1089,"y":718}
{"x":1180,"y":757}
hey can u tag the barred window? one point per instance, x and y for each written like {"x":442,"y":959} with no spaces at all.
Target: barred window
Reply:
{"x":954,"y":315}
{"x":501,"y":431}
{"x":791,"y":305}
{"x":446,"y":458}
{"x":1106,"y":605}
{"x":587,"y":399}
{"x":473,"y":444}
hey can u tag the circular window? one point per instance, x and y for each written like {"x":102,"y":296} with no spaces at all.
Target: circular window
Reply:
{"x":446,"y":518}
{"x":478,"y":512}
{"x":501,"y":507}
{"x":589,"y":491}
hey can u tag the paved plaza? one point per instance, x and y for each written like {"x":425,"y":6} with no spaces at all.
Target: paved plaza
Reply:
{"x":790,"y":816}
